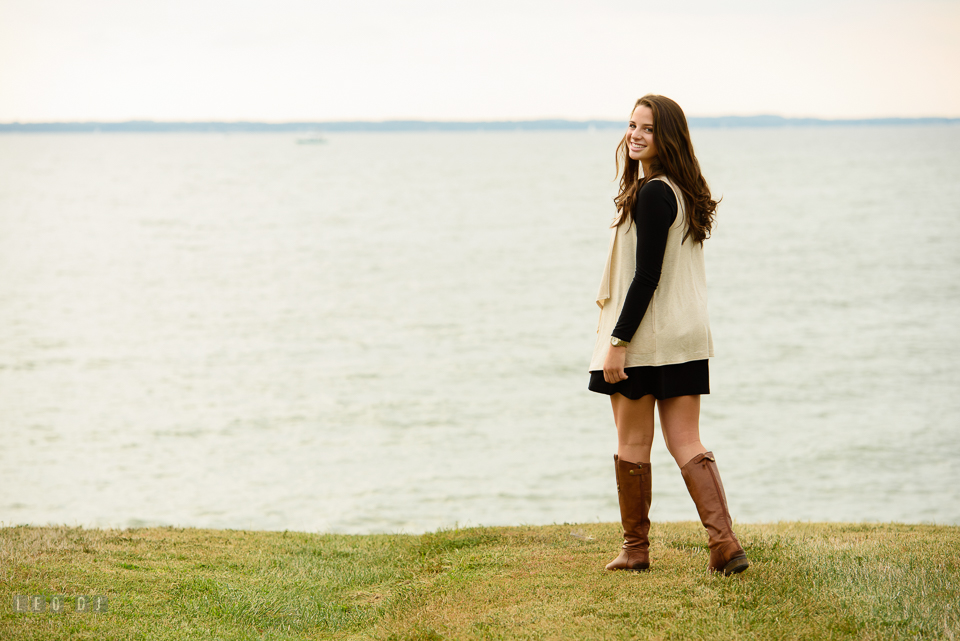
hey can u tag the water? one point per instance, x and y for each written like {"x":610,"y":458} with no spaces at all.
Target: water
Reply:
{"x":390,"y":332}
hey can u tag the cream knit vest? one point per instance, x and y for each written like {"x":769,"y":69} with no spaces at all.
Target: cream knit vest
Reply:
{"x":675,"y":327}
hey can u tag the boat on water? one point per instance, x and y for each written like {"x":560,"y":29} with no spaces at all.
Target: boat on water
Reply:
{"x":312,"y":138}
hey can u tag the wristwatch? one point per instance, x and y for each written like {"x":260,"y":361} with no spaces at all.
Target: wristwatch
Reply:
{"x":616,"y":342}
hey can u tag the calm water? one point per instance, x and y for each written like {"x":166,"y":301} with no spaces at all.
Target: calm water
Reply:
{"x":390,"y":332}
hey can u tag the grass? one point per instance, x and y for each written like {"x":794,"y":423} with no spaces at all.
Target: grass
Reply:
{"x":806,"y":581}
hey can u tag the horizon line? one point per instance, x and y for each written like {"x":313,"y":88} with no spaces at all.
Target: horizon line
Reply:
{"x":159,"y":126}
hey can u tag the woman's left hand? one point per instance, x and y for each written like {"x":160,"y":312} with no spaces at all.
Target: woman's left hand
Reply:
{"x":613,"y":364}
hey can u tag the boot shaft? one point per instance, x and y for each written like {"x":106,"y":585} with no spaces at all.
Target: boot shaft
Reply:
{"x":706,"y":489}
{"x":634,"y":489}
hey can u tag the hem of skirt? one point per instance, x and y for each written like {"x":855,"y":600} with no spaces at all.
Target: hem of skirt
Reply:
{"x":654,"y":394}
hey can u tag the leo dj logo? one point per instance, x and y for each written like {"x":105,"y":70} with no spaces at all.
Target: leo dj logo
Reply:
{"x":58,"y":603}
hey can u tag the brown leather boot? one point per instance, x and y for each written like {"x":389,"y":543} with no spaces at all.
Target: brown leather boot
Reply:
{"x":633,"y":489}
{"x":703,"y":482}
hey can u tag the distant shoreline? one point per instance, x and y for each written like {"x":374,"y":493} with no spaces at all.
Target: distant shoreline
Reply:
{"x":150,"y":126}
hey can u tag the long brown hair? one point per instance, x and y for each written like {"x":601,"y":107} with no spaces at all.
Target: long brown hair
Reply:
{"x":675,"y":160}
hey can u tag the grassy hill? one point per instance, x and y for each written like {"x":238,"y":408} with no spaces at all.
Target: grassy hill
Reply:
{"x":806,"y":581}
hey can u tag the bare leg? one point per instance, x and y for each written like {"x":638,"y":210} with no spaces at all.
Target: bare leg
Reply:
{"x":680,"y":422}
{"x":634,"y":421}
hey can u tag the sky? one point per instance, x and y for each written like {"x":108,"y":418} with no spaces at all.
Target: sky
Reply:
{"x":317,"y":60}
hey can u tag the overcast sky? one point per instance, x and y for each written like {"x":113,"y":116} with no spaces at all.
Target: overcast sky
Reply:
{"x":485,"y":60}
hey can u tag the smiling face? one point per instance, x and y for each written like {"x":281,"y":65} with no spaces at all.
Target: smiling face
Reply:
{"x":639,"y":136}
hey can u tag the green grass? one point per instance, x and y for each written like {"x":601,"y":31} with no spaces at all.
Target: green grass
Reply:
{"x":806,"y":581}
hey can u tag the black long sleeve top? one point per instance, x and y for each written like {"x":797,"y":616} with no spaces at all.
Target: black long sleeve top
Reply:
{"x":653,"y":214}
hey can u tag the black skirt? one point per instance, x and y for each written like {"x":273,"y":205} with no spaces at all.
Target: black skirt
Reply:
{"x":663,"y":381}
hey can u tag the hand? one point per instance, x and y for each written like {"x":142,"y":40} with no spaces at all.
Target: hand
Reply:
{"x":613,"y":364}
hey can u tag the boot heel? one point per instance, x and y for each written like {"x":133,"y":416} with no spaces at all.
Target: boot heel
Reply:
{"x":736,"y":565}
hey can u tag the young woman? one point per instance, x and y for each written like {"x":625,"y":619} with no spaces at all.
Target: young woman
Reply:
{"x":654,"y":334}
